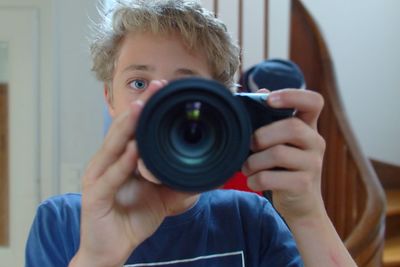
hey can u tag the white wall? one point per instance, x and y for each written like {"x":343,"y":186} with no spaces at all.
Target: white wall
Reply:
{"x":45,"y":79}
{"x":364,"y":40}
{"x":80,"y":95}
{"x":71,"y":105}
{"x":3,"y":62}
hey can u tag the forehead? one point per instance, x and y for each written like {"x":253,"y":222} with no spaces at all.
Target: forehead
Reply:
{"x":158,"y":50}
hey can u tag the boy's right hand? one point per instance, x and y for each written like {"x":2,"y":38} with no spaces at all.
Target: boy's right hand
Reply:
{"x":120,"y":209}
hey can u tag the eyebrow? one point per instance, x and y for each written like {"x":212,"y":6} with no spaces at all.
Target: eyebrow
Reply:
{"x":138,"y":67}
{"x":185,"y":71}
{"x":181,"y":71}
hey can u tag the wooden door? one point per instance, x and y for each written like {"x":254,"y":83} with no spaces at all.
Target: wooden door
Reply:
{"x":4,"y":213}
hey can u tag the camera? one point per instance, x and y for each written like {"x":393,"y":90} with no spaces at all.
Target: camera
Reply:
{"x":194,"y":134}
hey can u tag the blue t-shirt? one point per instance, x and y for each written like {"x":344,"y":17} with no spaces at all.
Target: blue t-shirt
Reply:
{"x":224,"y":228}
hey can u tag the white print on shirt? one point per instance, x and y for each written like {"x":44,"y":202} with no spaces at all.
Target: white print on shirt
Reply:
{"x":231,"y":259}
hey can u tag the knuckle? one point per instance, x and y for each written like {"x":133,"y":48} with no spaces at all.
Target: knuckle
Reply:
{"x":250,"y":165}
{"x":257,"y":140}
{"x":316,"y":162}
{"x":246,"y":169}
{"x":321,"y":143}
{"x":320,"y":101}
{"x":258,"y":181}
{"x":317,"y":99}
{"x":296,"y":128}
{"x":278,"y":153}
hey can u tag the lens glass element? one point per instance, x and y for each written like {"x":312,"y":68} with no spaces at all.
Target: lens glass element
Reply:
{"x":194,"y":132}
{"x":192,"y":129}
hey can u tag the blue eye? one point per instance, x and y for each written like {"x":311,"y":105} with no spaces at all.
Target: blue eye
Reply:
{"x":138,"y":84}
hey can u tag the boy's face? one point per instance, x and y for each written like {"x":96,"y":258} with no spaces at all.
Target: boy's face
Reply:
{"x":144,"y":57}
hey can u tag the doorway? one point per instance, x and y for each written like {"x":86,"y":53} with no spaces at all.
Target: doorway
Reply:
{"x":4,"y":199}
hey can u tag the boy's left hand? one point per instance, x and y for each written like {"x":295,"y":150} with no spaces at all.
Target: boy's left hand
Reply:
{"x":288,"y":154}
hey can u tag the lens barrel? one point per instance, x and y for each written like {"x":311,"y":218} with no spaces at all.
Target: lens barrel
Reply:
{"x":193,"y":134}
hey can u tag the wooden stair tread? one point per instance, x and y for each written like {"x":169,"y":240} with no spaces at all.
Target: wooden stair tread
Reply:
{"x":391,"y":253}
{"x":393,"y":202}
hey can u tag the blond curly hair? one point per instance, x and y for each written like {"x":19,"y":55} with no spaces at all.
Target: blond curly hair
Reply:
{"x":198,"y":28}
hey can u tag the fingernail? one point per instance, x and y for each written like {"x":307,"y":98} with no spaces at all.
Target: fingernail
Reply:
{"x":263,"y":91}
{"x":138,"y":103}
{"x":156,"y":82}
{"x":274,"y":99}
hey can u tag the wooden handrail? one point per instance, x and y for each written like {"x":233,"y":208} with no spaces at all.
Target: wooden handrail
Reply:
{"x":388,"y":173}
{"x":365,"y":240}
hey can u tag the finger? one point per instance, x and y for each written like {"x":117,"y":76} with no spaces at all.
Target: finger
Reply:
{"x":120,"y":132}
{"x":280,"y":181}
{"x":307,"y":103}
{"x":125,"y":126}
{"x":278,"y":157}
{"x":164,"y":82}
{"x":292,"y":131}
{"x":108,"y":184}
{"x":146,"y":174}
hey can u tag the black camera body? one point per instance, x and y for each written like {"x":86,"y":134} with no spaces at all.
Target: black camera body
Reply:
{"x":194,"y":134}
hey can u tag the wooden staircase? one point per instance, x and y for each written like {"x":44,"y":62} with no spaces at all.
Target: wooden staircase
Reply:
{"x":391,"y":253}
{"x":353,"y":195}
{"x":390,"y":177}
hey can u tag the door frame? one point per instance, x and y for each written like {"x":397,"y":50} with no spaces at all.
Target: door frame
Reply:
{"x":24,"y":125}
{"x":46,"y":37}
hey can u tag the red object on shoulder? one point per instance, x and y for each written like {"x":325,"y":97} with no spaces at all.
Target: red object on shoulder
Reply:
{"x":239,"y":182}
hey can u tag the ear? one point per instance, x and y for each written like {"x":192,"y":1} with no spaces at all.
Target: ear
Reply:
{"x":109,"y":100}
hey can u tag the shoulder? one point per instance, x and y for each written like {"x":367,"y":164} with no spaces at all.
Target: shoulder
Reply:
{"x":61,"y":206}
{"x":58,"y":214}
{"x":54,"y":235}
{"x":69,"y":199}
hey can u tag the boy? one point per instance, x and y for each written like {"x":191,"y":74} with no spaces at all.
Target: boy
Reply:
{"x":125,"y":216}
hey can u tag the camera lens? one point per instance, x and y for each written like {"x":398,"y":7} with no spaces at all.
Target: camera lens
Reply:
{"x":193,"y":134}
